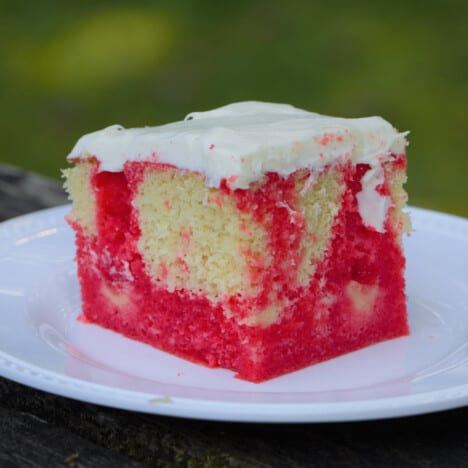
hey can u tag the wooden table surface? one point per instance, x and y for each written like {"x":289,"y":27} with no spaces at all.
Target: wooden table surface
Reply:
{"x":38,"y":429}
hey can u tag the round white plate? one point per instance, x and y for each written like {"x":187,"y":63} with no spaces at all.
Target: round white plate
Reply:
{"x":43,"y":345}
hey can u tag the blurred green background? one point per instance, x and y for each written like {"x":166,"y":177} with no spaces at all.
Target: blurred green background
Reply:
{"x":68,"y":68}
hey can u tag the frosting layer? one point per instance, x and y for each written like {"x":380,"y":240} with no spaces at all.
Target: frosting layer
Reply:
{"x":241,"y":142}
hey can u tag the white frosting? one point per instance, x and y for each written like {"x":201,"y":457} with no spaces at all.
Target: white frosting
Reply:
{"x":373,"y":206}
{"x":241,"y":142}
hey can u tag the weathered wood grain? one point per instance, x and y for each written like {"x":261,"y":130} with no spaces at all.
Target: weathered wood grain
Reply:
{"x":431,"y":440}
{"x":28,"y":441}
{"x":22,"y":192}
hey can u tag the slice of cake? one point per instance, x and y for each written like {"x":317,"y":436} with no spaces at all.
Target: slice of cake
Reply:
{"x":256,"y":237}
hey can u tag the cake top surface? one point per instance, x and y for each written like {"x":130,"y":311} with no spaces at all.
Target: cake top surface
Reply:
{"x":241,"y":142}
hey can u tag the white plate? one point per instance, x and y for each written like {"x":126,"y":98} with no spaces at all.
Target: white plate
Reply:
{"x":43,"y":345}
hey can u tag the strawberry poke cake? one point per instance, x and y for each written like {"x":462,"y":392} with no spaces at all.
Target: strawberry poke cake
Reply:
{"x":255,"y":237}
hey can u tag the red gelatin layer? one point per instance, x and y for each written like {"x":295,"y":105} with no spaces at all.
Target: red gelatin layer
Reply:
{"x":354,"y":298}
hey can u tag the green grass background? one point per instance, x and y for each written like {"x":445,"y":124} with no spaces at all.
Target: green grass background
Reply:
{"x":68,"y":68}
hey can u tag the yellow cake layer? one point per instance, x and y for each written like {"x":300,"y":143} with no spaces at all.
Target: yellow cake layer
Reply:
{"x":195,"y":238}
